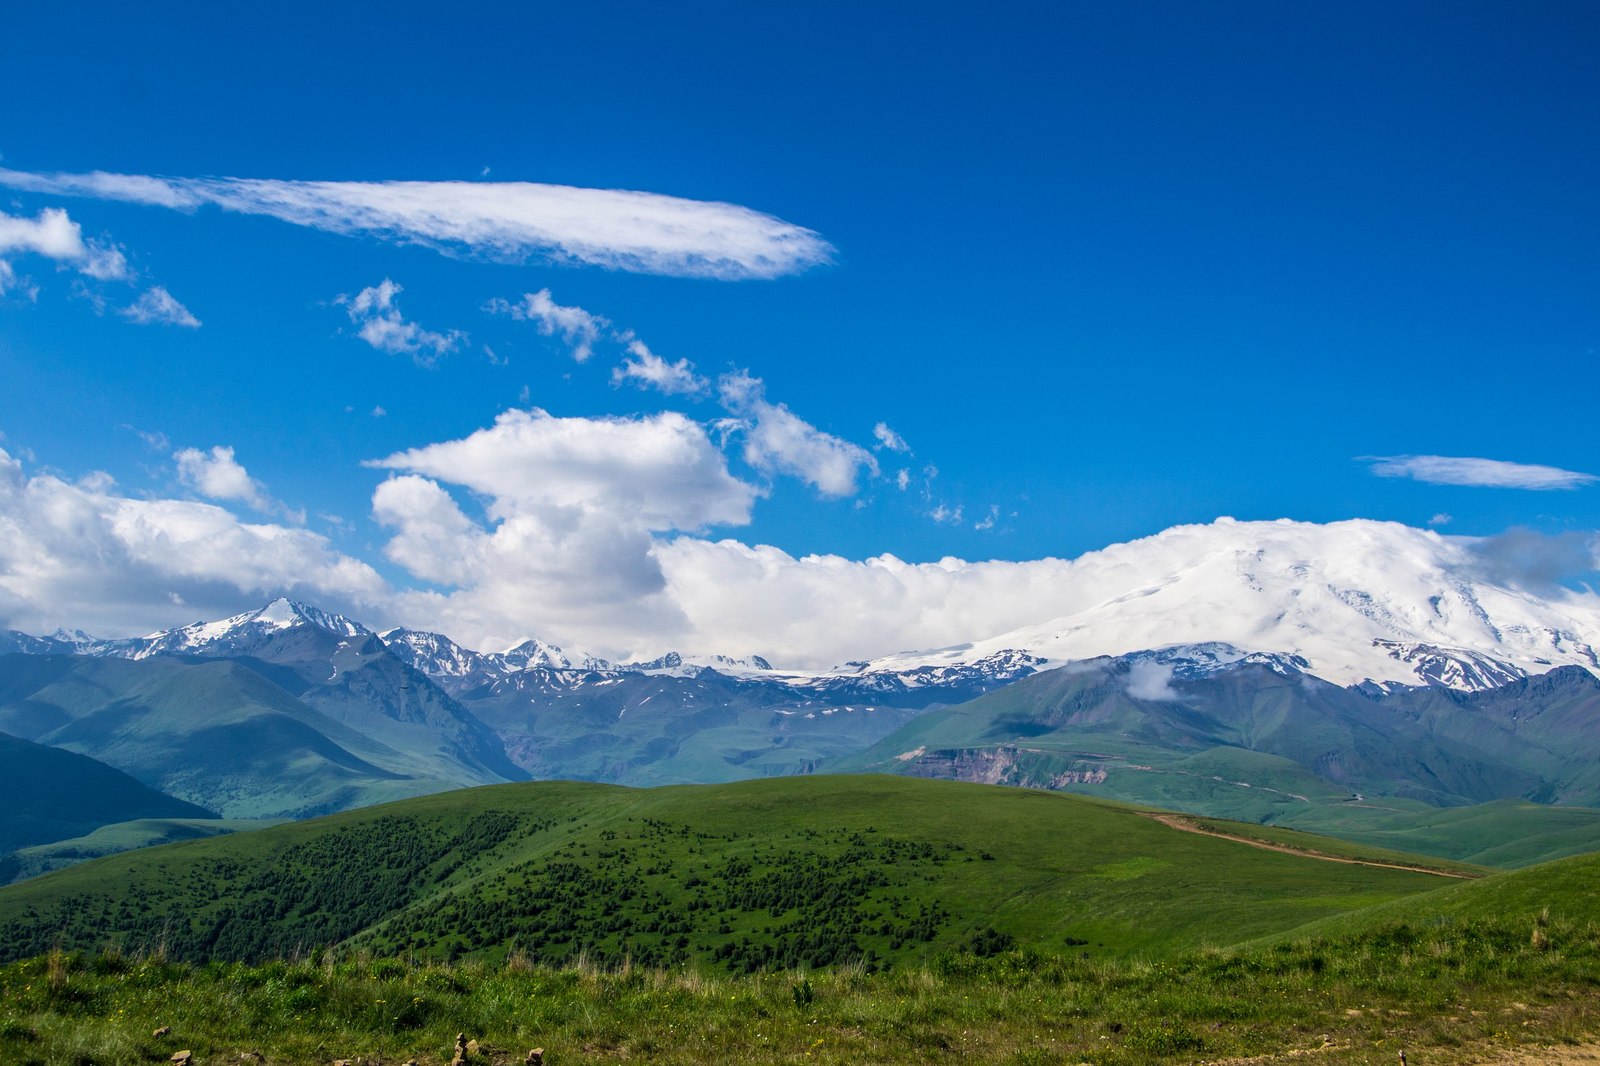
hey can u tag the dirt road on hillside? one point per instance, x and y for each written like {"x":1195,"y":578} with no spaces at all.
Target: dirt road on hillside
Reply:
{"x":1182,"y":824}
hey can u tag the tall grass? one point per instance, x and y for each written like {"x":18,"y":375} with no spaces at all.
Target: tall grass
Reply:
{"x":1441,"y":987}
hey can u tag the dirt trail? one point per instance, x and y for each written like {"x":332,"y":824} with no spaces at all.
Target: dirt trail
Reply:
{"x":1178,"y":822}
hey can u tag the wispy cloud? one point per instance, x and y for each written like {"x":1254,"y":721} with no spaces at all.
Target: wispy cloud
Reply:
{"x":888,"y":438}
{"x":374,"y":309}
{"x":157,"y":306}
{"x":779,"y":441}
{"x":579,"y":328}
{"x":1483,"y":473}
{"x":647,"y":369}
{"x":508,"y":221}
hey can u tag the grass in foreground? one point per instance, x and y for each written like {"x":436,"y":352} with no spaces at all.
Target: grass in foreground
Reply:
{"x":1433,"y":988}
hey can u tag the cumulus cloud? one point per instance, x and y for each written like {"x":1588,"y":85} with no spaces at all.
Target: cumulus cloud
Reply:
{"x":565,"y":541}
{"x":1483,"y":473}
{"x":157,"y":306}
{"x":506,"y":221}
{"x":777,"y":441}
{"x":54,"y":235}
{"x":888,"y":438}
{"x":577,"y":327}
{"x":648,"y":370}
{"x":218,"y":475}
{"x":82,"y":556}
{"x":662,"y":469}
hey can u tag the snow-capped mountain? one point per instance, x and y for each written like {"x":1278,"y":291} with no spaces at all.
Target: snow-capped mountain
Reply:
{"x":230,"y":636}
{"x":1357,"y":601}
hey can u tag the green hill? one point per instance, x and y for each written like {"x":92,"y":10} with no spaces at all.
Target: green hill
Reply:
{"x":782,"y":872}
{"x":117,"y":837}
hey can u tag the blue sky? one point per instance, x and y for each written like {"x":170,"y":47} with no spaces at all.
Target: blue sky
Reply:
{"x":1105,"y":268}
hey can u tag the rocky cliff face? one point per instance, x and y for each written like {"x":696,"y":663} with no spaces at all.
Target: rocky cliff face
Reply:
{"x":1002,"y":765}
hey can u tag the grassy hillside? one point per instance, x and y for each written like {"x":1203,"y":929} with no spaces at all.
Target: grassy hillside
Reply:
{"x":799,"y":871}
{"x":115,"y":838}
{"x":1464,"y":989}
{"x":1559,"y":893}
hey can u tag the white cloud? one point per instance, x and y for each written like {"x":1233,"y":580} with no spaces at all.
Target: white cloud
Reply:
{"x":507,"y":221}
{"x":1151,"y":681}
{"x":888,"y":438}
{"x":218,"y":475}
{"x":82,"y":556}
{"x":157,"y":305}
{"x":106,"y":262}
{"x":902,"y":480}
{"x":382,"y":326}
{"x":1441,"y":519}
{"x":647,"y":369}
{"x":945,"y":515}
{"x":988,"y":520}
{"x":577,"y":327}
{"x":817,"y":610}
{"x":54,"y":235}
{"x":1482,"y":473}
{"x":585,"y":537}
{"x":779,"y":441}
{"x":565,"y":544}
{"x":10,"y":282}
{"x":662,"y":470}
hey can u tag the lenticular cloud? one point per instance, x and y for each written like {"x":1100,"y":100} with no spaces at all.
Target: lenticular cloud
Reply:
{"x":643,"y":232}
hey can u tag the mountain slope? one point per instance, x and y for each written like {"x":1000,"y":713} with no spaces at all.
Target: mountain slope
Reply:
{"x":54,"y":794}
{"x":1264,"y":741}
{"x":213,"y":733}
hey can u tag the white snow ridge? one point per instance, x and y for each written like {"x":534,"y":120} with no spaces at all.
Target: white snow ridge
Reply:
{"x":1356,"y":600}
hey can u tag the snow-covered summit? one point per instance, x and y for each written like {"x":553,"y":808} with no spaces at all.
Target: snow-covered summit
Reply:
{"x":1354,"y":601}
{"x":229,"y":634}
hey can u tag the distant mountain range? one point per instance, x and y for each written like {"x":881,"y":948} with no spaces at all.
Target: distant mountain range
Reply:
{"x":1260,"y":670}
{"x":1351,"y":602}
{"x":1208,"y":731}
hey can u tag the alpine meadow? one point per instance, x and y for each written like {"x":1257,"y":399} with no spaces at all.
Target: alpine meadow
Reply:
{"x":539,"y":534}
